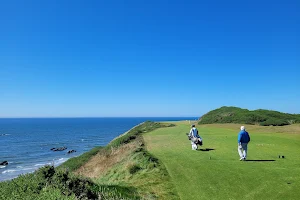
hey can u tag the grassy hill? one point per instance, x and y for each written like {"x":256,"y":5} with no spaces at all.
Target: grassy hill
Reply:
{"x":244,"y":116}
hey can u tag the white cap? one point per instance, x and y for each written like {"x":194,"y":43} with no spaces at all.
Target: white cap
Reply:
{"x":242,"y":128}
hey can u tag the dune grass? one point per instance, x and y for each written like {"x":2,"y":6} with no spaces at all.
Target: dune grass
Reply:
{"x":74,"y":163}
{"x":125,"y":164}
{"x":217,"y":173}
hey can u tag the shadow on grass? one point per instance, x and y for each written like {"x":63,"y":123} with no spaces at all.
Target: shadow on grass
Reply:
{"x":206,"y":149}
{"x":260,"y":160}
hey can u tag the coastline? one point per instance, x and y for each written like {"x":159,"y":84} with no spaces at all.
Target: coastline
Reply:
{"x":124,"y":133}
{"x":27,"y":149}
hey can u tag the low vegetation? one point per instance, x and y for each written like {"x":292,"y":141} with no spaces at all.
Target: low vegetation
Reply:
{"x":125,"y":162}
{"x":48,"y":183}
{"x":74,"y":163}
{"x":244,"y":116}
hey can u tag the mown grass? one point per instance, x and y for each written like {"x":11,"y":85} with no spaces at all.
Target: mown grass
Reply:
{"x":218,"y":173}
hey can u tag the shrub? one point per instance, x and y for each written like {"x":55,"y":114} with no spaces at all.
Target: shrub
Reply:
{"x":134,"y":168}
{"x":45,"y":181}
{"x":274,"y":122}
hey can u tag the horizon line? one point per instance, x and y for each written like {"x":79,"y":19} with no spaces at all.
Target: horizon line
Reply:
{"x":100,"y":117}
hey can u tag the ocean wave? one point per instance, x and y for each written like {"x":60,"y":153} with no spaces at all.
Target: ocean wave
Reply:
{"x":4,"y":134}
{"x":27,"y":169}
{"x":60,"y":161}
{"x":38,"y":165}
{"x":54,"y":162}
{"x":1,"y":166}
{"x":18,"y":170}
{"x":9,"y":171}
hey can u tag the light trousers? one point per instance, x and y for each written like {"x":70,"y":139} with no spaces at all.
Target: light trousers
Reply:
{"x":194,"y":146}
{"x":242,"y":149}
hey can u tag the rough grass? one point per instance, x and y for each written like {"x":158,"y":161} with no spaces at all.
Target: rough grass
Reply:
{"x":48,"y":183}
{"x":218,"y":173}
{"x":74,"y":163}
{"x":104,"y":160}
{"x":143,"y":172}
{"x":126,"y":163}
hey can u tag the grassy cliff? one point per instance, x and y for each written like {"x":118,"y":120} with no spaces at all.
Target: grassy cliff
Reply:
{"x":244,"y":116}
{"x":121,"y":170}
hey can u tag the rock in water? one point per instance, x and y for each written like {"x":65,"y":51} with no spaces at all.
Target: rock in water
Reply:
{"x":72,"y":151}
{"x":58,"y":149}
{"x":4,"y":163}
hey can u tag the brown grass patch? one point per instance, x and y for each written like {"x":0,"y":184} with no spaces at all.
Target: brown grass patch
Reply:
{"x":104,"y":160}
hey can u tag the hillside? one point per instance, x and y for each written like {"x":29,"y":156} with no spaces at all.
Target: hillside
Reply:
{"x":243,"y":116}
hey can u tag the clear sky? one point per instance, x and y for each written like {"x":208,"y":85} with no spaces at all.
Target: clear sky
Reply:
{"x":147,"y":58}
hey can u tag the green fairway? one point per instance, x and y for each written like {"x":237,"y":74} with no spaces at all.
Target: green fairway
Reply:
{"x":218,"y":173}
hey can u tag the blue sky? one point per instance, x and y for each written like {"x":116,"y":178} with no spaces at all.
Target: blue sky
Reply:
{"x":147,"y":58}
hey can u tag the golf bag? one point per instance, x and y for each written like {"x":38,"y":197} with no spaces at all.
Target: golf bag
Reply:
{"x":199,"y":142}
{"x":196,"y":140}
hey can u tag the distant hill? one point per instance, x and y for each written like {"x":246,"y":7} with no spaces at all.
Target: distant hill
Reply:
{"x":243,"y":116}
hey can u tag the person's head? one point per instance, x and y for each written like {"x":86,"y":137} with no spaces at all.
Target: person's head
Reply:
{"x":193,"y":125}
{"x":242,"y":128}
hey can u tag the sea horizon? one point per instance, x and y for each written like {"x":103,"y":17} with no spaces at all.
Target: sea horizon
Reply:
{"x":98,"y":117}
{"x":26,"y":142}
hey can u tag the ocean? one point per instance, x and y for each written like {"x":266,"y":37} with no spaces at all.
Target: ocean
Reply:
{"x":26,"y":143}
